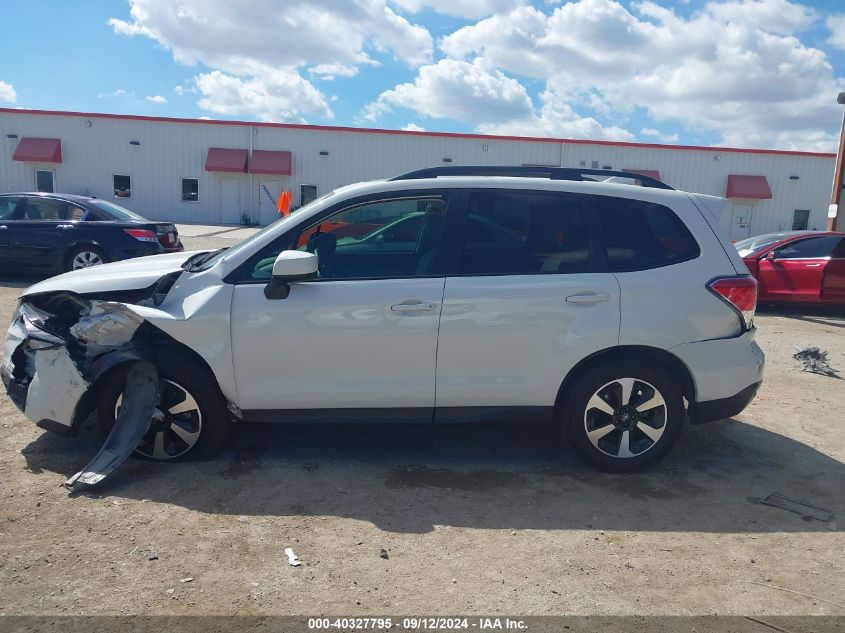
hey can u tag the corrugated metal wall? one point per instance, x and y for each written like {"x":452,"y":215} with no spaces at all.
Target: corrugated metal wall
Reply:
{"x":170,"y":151}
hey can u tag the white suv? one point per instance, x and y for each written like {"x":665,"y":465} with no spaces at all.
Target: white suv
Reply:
{"x":445,"y":295}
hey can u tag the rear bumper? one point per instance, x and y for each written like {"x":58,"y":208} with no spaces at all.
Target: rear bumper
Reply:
{"x":723,"y":408}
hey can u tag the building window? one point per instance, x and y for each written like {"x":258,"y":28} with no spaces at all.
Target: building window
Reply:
{"x":45,"y":180}
{"x":800,"y":219}
{"x":307,"y":193}
{"x":190,"y":189}
{"x":122,"y":186}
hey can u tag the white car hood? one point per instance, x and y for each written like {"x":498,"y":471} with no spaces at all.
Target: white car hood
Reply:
{"x":130,"y":274}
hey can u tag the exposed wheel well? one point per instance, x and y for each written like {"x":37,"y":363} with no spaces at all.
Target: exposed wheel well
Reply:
{"x":660,"y":357}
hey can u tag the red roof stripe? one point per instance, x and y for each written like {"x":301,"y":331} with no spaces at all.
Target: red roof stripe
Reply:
{"x":270,"y":162}
{"x":227,"y":160}
{"x":756,"y":187}
{"x":298,"y":126}
{"x":38,"y":150}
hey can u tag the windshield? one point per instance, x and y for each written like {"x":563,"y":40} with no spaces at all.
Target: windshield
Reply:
{"x":244,"y":244}
{"x":116,"y":211}
{"x":757,"y":243}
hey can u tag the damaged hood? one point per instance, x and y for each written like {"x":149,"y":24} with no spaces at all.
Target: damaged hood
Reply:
{"x":131,"y":274}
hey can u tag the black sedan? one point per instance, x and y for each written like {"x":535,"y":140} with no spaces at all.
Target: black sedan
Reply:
{"x":51,"y":232}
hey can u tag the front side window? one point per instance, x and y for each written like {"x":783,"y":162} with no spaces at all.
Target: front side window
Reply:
{"x":525,"y":233}
{"x":8,"y":204}
{"x":190,"y":189}
{"x":122,"y":186}
{"x":640,"y":235}
{"x":45,"y":181}
{"x":44,"y":209}
{"x":811,"y":248}
{"x":383,"y":239}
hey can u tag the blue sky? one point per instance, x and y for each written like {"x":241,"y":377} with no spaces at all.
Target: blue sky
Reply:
{"x":756,"y":73}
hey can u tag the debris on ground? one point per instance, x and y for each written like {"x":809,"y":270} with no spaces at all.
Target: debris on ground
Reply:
{"x":293,"y":559}
{"x":152,"y":556}
{"x":807,"y":511}
{"x":188,"y":579}
{"x":815,"y":361}
{"x":384,"y":554}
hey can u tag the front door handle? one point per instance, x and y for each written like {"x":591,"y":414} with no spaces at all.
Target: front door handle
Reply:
{"x":417,"y":306}
{"x":588,"y":297}
{"x":65,"y":226}
{"x":3,"y":227}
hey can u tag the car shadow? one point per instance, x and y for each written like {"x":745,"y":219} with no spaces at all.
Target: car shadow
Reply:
{"x":410,"y":478}
{"x":833,"y":316}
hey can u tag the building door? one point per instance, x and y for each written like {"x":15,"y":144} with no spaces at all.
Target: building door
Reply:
{"x":230,"y":201}
{"x":268,"y":196}
{"x":741,"y":221}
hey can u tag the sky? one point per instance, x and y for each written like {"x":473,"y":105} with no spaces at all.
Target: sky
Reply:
{"x":741,"y":73}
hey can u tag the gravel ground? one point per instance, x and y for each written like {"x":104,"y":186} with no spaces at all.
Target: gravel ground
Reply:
{"x":475,"y":519}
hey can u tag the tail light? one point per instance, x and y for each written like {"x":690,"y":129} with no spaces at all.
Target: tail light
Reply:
{"x":142,"y":235}
{"x":740,"y":293}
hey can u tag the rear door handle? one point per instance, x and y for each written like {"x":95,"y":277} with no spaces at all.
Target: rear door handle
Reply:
{"x":65,"y":226}
{"x":588,"y":297}
{"x":417,"y":306}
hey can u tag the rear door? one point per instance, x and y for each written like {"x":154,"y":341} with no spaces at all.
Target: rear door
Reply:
{"x":796,"y":272}
{"x":833,"y":280}
{"x":527,"y":297}
{"x":39,"y":234}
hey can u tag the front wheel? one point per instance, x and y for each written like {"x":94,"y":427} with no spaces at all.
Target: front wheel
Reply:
{"x":624,"y":416}
{"x":191,"y":421}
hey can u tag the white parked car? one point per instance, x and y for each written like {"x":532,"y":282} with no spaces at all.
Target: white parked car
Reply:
{"x":617,"y":310}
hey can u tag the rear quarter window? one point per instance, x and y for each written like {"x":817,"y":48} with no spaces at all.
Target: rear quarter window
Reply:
{"x":639,"y":235}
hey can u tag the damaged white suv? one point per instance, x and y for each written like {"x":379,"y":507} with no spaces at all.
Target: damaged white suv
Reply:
{"x":449,"y":294}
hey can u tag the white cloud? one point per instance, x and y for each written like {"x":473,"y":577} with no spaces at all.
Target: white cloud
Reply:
{"x":836,"y":26}
{"x":731,"y":67}
{"x":182,"y":90}
{"x":413,"y":127}
{"x":279,"y":96}
{"x":460,"y":8}
{"x":459,"y":90}
{"x":664,"y":138}
{"x":7,"y":92}
{"x":156,"y":99}
{"x":120,"y":92}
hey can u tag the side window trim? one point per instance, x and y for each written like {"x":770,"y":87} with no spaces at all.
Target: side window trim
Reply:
{"x":596,"y":258}
{"x":242,"y":274}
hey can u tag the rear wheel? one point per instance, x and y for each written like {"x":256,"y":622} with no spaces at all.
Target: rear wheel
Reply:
{"x":85,"y":257}
{"x":624,"y":416}
{"x":191,"y":421}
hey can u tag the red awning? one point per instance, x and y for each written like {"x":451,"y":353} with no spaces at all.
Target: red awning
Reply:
{"x":651,"y":173}
{"x":269,"y":162}
{"x":748,"y":187}
{"x":229,"y":160}
{"x":39,"y":150}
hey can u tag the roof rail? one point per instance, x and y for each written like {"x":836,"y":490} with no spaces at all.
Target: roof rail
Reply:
{"x":552,"y":173}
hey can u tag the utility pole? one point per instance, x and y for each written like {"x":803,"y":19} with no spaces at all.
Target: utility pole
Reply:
{"x":833,"y":210}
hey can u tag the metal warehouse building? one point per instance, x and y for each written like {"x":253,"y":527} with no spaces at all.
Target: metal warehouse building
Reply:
{"x":195,"y":170}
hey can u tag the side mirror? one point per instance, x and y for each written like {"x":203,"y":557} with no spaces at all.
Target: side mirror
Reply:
{"x":289,"y":267}
{"x":771,"y":256}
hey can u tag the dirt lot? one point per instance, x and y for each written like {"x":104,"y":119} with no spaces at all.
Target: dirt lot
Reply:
{"x":476,"y":519}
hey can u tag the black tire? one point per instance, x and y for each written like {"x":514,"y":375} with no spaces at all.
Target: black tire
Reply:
{"x":80,"y":251}
{"x":662,"y":424}
{"x":178,"y":373}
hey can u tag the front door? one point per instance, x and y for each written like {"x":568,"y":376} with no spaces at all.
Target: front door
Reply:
{"x":524,"y":304}
{"x":268,"y":196}
{"x":796,"y":271}
{"x":361,"y":336}
{"x":741,"y":222}
{"x":230,"y":201}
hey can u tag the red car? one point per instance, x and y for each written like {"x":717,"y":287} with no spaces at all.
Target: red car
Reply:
{"x":797,"y":266}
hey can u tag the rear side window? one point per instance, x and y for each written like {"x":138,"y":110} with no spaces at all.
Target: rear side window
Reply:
{"x":640,"y":235}
{"x":525,"y":233}
{"x":44,"y":209}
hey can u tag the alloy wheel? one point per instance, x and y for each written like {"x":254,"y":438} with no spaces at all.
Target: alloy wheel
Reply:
{"x":625,"y":418}
{"x":84,"y":259}
{"x":175,"y":426}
